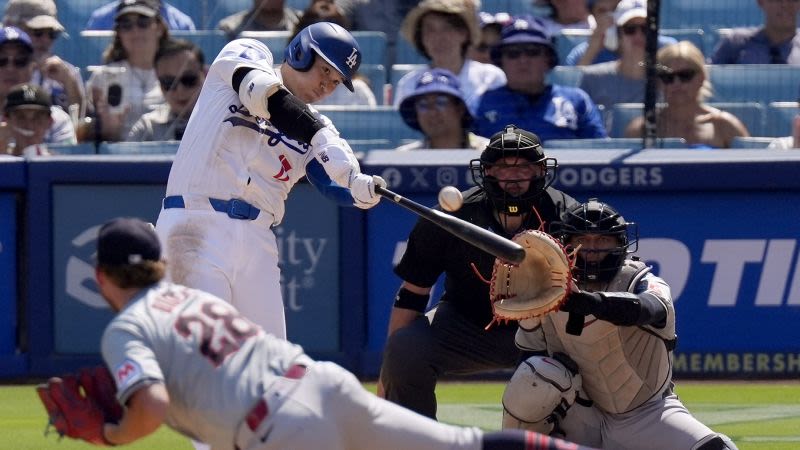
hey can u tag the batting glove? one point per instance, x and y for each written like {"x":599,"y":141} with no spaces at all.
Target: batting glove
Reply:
{"x":362,"y":188}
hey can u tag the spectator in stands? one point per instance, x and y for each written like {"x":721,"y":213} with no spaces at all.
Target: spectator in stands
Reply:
{"x":491,"y":26}
{"x":604,"y":46}
{"x":127,"y":86}
{"x":685,"y":86}
{"x":777,"y":42}
{"x":16,"y":67}
{"x":103,"y":18}
{"x":436,"y":107}
{"x":567,"y":14}
{"x":264,"y":15}
{"x":27,"y":118}
{"x":59,"y":78}
{"x":328,"y":11}
{"x":378,"y":15}
{"x":526,"y":54}
{"x":443,"y":31}
{"x":622,"y":80}
{"x":788,"y":142}
{"x":180,"y":67}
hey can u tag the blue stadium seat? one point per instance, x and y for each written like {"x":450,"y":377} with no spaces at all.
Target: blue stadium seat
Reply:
{"x":751,"y":142}
{"x":89,"y":48}
{"x":565,"y":75}
{"x":611,"y":143}
{"x":405,"y":53}
{"x":86,"y":148}
{"x":74,"y":14}
{"x":779,"y":118}
{"x":568,"y":38}
{"x":376,"y":74}
{"x":276,"y":41}
{"x":751,"y":114}
{"x":139,"y":148}
{"x":383,"y":122}
{"x":400,"y":70}
{"x":754,"y":82}
{"x":710,"y":13}
{"x":218,"y":10}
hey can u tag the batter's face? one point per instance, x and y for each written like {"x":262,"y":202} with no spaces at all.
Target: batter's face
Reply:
{"x":314,"y":84}
{"x":594,"y":247}
{"x":514,"y":175}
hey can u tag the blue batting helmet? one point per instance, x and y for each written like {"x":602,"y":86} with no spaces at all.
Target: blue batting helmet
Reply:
{"x":330,"y":41}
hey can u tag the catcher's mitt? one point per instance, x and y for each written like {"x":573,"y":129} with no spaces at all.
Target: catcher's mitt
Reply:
{"x":79,"y":405}
{"x":536,"y":286}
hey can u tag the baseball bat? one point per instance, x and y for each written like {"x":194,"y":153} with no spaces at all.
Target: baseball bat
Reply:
{"x":485,"y":240}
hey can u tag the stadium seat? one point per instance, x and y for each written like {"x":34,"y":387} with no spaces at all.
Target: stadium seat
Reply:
{"x":139,"y":148}
{"x":89,"y":50}
{"x":565,"y":75}
{"x":400,"y":70}
{"x":276,"y":41}
{"x":611,"y":143}
{"x":710,"y":13}
{"x":376,"y":74}
{"x":751,"y":114}
{"x":218,"y":10}
{"x":86,"y":148}
{"x":568,"y":38}
{"x":751,"y":142}
{"x":383,"y":122}
{"x":779,"y":118}
{"x":754,"y":82}
{"x":406,"y":54}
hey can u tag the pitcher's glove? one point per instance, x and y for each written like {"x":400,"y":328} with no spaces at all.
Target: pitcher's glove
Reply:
{"x":536,"y":286}
{"x":79,"y":405}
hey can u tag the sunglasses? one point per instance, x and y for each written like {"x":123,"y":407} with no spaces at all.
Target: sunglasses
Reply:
{"x":18,"y":61}
{"x":188,"y":80}
{"x":440,"y":102}
{"x":630,"y":30}
{"x":683,"y":75}
{"x":52,"y":34}
{"x":516,"y":52}
{"x":142,"y":22}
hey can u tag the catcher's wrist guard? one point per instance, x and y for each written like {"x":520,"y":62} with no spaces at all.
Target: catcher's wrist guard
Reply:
{"x":620,"y":308}
{"x":406,"y":299}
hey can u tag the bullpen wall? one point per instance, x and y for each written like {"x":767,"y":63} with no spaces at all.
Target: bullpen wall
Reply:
{"x":719,"y":226}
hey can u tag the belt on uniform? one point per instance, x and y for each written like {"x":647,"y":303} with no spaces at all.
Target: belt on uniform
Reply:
{"x":234,"y":208}
{"x":260,"y":411}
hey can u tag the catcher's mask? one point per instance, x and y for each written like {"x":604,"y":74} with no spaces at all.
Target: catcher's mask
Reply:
{"x":517,"y":143}
{"x":597,"y":218}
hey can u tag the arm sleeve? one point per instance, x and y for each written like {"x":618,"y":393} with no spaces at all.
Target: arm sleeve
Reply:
{"x":319,"y":179}
{"x":131,"y":362}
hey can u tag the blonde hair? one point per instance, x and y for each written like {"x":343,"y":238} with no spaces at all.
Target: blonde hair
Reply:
{"x":135,"y":275}
{"x":687,"y":52}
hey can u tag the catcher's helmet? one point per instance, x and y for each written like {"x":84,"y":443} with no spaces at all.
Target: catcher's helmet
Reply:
{"x":330,"y":41}
{"x":596,"y":217}
{"x":517,"y":143}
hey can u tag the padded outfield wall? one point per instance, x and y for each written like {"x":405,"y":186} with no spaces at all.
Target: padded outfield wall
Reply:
{"x":720,"y":226}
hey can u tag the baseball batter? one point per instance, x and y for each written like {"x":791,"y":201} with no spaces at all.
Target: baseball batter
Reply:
{"x":619,"y":328}
{"x":250,"y":138}
{"x":189,"y":359}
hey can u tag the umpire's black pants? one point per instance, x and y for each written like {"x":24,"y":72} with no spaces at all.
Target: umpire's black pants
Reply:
{"x":417,"y":355}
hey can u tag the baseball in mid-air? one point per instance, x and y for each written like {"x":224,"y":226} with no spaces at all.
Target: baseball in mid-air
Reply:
{"x":450,"y":199}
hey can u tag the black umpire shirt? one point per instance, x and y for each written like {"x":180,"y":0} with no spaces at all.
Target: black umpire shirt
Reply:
{"x":431,"y":250}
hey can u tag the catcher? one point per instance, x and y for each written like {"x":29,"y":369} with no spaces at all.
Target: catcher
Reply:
{"x":189,"y":359}
{"x":611,"y":343}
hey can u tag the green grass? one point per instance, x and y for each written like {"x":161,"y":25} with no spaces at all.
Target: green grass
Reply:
{"x":756,"y":415}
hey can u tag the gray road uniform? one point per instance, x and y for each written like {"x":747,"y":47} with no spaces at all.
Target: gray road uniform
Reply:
{"x":626,"y":371}
{"x":234,"y":386}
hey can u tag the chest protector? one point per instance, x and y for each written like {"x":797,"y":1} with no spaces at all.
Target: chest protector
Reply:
{"x":622,"y":367}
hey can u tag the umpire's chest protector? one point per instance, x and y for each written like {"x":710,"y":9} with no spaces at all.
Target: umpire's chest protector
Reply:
{"x":622,"y":367}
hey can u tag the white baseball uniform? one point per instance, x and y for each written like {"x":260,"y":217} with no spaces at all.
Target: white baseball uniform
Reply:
{"x":227,"y":188}
{"x":626,"y":372}
{"x":234,"y":386}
